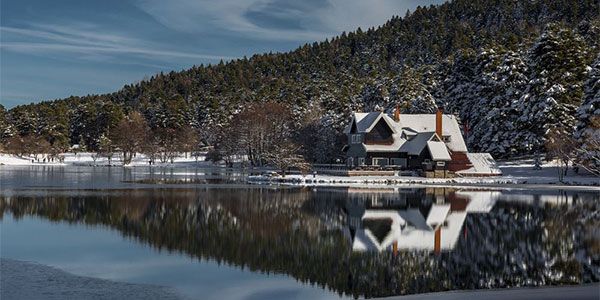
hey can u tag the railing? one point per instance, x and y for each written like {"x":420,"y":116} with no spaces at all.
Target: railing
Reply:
{"x":330,"y":167}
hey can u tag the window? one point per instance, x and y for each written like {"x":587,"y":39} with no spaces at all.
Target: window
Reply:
{"x":361,"y":161}
{"x":399,"y":162}
{"x":350,"y":162}
{"x":379,"y":161}
{"x":446,"y":139}
{"x":356,"y":139}
{"x":441,"y":163}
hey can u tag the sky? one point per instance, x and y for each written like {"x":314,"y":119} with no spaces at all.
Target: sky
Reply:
{"x":58,"y":48}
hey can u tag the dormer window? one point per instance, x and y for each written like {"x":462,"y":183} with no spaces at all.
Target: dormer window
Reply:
{"x":356,"y":139}
{"x":446,"y":138}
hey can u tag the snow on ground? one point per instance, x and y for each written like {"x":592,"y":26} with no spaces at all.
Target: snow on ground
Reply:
{"x":26,"y":280}
{"x":88,"y":158}
{"x":523,"y":170}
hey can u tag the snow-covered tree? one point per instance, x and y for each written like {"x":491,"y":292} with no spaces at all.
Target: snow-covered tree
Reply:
{"x":6,"y":129}
{"x":588,"y":122}
{"x":558,"y":65}
{"x":412,"y":94}
{"x":501,"y":78}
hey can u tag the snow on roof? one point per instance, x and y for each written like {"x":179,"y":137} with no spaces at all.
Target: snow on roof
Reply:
{"x":438,"y":151}
{"x":415,"y":145}
{"x":452,"y":230}
{"x":437,"y":214}
{"x":426,"y":123}
{"x":364,"y":242}
{"x":481,"y":201}
{"x":394,"y":147}
{"x":366,"y":121}
{"x":414,"y":218}
{"x":483,"y":163}
{"x":364,"y":239}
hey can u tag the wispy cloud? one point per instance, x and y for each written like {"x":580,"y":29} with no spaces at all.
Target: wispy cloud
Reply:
{"x":226,"y":16}
{"x":317,"y":19}
{"x":87,"y":41}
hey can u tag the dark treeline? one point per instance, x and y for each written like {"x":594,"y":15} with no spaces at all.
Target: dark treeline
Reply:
{"x":512,"y":70}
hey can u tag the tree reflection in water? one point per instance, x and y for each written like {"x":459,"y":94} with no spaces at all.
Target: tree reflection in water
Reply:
{"x":339,"y":238}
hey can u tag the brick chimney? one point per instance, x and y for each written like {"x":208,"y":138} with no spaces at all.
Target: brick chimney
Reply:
{"x":437,"y":240}
{"x":397,"y":113}
{"x":438,"y":121}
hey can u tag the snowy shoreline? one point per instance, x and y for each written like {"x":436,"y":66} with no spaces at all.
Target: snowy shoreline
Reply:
{"x":89,"y":159}
{"x":517,"y":174}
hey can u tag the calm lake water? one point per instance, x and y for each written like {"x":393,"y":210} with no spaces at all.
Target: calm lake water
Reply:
{"x":215,"y":237}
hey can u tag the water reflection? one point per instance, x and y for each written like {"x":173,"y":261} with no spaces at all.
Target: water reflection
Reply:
{"x":393,"y":219}
{"x":445,"y":238}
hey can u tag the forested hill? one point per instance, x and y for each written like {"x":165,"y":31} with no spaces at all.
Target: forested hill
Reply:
{"x":513,"y":70}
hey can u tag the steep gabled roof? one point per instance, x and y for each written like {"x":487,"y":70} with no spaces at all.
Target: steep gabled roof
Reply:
{"x":416,"y":145}
{"x":366,"y":121}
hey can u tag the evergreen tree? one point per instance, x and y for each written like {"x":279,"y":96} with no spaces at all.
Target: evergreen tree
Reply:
{"x":411,"y":94}
{"x":588,"y":122}
{"x":558,"y":64}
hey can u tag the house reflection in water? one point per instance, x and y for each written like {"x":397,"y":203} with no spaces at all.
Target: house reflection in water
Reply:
{"x":411,"y":219}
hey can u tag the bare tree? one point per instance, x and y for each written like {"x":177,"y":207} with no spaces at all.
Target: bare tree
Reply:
{"x":106,"y":148}
{"x":152,"y":149}
{"x":165,"y":140}
{"x":560,"y":146}
{"x":284,"y":156}
{"x":188,"y":140}
{"x":15,"y":145}
{"x":130,"y":135}
{"x":227,"y":146}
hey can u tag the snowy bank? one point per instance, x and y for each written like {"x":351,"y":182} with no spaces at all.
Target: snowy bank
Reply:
{"x":92,"y":159}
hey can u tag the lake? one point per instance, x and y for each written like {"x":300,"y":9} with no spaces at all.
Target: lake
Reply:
{"x":206,"y":234}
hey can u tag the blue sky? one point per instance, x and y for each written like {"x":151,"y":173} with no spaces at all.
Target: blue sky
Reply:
{"x":54,"y":49}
